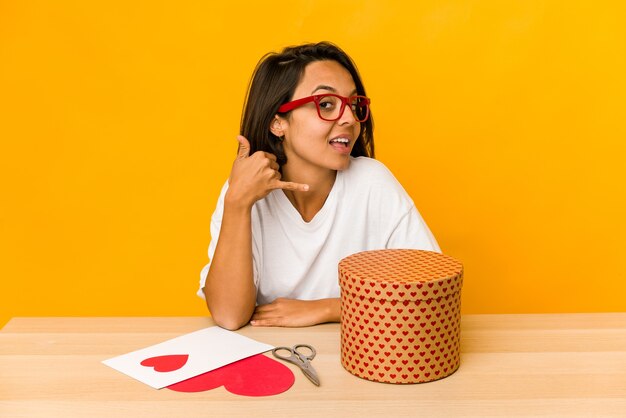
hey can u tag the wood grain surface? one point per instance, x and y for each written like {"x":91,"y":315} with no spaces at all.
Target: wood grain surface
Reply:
{"x":553,"y":365}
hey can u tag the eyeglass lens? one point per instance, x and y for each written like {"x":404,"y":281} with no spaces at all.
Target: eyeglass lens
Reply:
{"x":331,"y":107}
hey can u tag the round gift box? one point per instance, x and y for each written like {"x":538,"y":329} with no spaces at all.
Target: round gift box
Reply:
{"x":400,"y":315}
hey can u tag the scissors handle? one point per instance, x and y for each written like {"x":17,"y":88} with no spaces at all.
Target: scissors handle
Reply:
{"x":278,"y":352}
{"x":295,"y":354}
{"x":300,"y":359}
{"x":309,"y":356}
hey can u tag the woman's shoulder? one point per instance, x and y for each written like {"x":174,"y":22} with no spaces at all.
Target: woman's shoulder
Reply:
{"x":363,"y":165}
{"x":371,"y":179}
{"x":365,"y":168}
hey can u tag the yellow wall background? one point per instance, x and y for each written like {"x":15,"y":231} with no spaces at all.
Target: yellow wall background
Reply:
{"x":504,"y":120}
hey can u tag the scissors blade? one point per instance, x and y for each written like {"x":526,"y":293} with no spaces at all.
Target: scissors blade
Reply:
{"x":311,"y":374}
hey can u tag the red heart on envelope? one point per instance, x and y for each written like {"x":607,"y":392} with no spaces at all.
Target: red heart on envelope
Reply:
{"x":253,"y":376}
{"x":167,"y":363}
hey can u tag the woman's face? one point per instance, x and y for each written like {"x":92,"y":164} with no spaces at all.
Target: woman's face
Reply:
{"x":310,"y":142}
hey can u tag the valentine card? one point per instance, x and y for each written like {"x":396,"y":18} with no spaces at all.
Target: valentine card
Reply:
{"x":186,"y":356}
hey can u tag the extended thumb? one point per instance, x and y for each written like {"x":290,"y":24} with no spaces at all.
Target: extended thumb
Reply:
{"x":244,"y":147}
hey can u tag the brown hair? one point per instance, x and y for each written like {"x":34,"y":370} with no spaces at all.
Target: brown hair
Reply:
{"x":273,"y":83}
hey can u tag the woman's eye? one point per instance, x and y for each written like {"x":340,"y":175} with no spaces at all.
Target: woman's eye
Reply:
{"x":327,"y":105}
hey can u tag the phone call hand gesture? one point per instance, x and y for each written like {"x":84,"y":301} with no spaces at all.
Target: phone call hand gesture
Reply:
{"x":254,"y":176}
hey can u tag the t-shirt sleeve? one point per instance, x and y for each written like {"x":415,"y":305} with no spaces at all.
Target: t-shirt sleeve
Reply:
{"x":412,"y":232}
{"x":401,"y":224}
{"x":216,"y":225}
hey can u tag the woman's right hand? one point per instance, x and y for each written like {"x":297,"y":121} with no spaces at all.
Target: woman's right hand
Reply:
{"x":254,"y":176}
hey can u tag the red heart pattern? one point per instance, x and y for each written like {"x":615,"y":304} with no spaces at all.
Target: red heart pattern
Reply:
{"x":167,"y":363}
{"x":257,"y":375}
{"x":400,"y":315}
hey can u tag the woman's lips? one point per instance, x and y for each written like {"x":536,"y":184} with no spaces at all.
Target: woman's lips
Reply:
{"x":340,"y":147}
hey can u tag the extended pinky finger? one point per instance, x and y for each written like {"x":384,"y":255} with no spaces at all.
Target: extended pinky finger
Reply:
{"x":287,"y":185}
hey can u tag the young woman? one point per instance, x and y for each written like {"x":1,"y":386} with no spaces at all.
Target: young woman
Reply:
{"x":304,"y":192}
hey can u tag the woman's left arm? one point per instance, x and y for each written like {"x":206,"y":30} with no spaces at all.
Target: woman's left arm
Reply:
{"x":296,"y":313}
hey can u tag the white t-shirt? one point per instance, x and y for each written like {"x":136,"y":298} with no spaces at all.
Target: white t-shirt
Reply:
{"x":367,"y":209}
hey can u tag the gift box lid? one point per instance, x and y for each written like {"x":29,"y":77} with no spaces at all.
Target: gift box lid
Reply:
{"x":400,"y":274}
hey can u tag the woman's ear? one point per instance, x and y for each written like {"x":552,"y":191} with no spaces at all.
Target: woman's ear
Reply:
{"x":278,"y":125}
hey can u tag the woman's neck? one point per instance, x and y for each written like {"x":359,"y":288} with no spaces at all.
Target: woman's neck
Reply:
{"x":320,"y":182}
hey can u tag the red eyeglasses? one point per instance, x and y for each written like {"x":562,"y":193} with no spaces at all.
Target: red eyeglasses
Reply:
{"x":330,"y":107}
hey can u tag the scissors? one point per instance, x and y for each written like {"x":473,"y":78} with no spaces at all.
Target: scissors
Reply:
{"x":300,"y":359}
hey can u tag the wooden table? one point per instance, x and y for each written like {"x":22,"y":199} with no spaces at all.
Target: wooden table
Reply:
{"x":570,"y":365}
